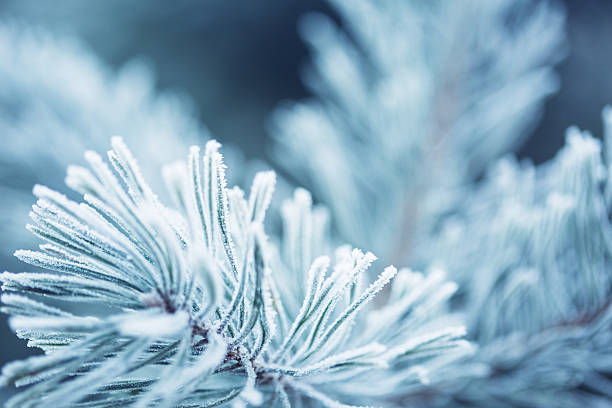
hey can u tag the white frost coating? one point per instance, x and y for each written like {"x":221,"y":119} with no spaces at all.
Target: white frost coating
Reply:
{"x":425,"y":340}
{"x":422,"y":373}
{"x":261,"y":194}
{"x":65,"y":324}
{"x":540,"y":306}
{"x":152,"y":325}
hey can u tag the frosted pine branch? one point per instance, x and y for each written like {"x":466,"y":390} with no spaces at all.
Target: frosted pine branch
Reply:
{"x":541,"y":306}
{"x":427,"y":94}
{"x":144,"y":305}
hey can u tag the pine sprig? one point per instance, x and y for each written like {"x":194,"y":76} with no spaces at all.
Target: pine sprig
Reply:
{"x":189,"y":306}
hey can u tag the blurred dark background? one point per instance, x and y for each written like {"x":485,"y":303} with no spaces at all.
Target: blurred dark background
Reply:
{"x":238,"y":59}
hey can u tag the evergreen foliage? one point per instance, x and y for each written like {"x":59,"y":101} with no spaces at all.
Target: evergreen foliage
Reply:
{"x":194,"y":299}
